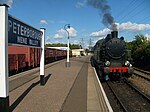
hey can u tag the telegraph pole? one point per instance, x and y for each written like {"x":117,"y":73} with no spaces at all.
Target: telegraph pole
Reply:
{"x":90,"y":44}
{"x":82,"y":43}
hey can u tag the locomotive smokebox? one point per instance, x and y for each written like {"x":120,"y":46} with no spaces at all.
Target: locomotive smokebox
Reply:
{"x":114,"y":34}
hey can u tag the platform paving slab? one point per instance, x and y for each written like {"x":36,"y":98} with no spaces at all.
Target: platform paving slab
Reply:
{"x":67,"y":89}
{"x":77,"y":98}
{"x":31,"y":97}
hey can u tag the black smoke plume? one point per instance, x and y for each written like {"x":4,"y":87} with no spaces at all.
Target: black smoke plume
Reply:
{"x":103,"y":6}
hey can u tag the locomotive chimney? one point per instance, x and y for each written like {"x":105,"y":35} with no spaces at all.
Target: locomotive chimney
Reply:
{"x":114,"y":34}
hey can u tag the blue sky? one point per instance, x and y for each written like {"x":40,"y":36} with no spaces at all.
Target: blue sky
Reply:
{"x":131,"y":16}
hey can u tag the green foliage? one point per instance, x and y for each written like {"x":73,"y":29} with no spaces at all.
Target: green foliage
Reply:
{"x":56,"y":45}
{"x":140,"y":50}
{"x":75,"y":46}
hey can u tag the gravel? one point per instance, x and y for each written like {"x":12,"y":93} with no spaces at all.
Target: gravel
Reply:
{"x":141,"y":84}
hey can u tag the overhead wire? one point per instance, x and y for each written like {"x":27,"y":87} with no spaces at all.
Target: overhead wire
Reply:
{"x":125,"y":8}
{"x":139,"y":12}
{"x":132,"y":10}
{"x":143,"y":19}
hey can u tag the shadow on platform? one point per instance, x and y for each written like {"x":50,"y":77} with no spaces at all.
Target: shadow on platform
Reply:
{"x":22,"y":96}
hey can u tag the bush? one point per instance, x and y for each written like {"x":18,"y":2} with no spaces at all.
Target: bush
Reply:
{"x":140,"y":48}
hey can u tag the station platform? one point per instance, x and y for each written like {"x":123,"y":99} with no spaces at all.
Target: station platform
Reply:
{"x":66,"y":89}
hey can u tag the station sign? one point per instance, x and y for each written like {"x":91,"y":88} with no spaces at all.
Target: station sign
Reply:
{"x":22,"y":34}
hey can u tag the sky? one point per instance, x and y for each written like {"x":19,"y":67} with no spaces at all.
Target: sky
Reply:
{"x":90,"y":20}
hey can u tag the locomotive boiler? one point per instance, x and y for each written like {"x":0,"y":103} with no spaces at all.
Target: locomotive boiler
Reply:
{"x":111,"y":57}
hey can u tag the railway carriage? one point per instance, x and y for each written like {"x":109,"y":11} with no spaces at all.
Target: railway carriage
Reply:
{"x":24,"y":58}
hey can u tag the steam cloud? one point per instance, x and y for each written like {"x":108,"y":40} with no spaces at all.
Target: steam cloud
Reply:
{"x":103,"y":6}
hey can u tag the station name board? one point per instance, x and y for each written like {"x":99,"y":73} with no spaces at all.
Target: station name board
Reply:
{"x":23,"y":34}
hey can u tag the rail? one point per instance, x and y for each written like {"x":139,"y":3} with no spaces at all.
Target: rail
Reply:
{"x":142,"y":74}
{"x":138,"y":91}
{"x":146,"y":72}
{"x":116,"y":96}
{"x":129,"y":97}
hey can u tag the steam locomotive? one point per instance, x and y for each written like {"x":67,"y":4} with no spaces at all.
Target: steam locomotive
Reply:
{"x":111,"y":57}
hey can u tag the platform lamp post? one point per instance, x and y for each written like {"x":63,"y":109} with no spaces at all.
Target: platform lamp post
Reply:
{"x":68,"y":64}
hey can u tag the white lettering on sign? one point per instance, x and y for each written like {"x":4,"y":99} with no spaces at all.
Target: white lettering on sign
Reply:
{"x":14,"y":27}
{"x":25,"y":31}
{"x":10,"y":25}
{"x":21,"y":40}
{"x":18,"y":25}
{"x":33,"y":42}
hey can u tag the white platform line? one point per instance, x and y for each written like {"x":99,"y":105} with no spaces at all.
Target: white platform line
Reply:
{"x":103,"y":92}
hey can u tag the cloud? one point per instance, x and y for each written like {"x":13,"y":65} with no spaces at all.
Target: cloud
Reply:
{"x":133,"y":27}
{"x":76,"y":42}
{"x":80,"y":4}
{"x":128,"y":26}
{"x":61,"y":33}
{"x":72,"y":32}
{"x":100,"y":33}
{"x":147,"y":35}
{"x":58,"y":36}
{"x":43,"y":22}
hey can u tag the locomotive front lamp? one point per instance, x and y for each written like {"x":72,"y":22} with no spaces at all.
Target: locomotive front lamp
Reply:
{"x":67,"y":26}
{"x":127,"y":63}
{"x":107,"y":63}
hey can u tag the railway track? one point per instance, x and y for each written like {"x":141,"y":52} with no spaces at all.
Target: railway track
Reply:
{"x":141,"y":73}
{"x":127,"y":97}
{"x":113,"y":98}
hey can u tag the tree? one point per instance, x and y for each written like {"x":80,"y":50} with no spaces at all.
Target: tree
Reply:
{"x":72,"y":46}
{"x":56,"y":45}
{"x":140,"y":48}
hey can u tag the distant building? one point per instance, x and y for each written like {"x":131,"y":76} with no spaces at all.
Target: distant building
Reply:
{"x":78,"y":52}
